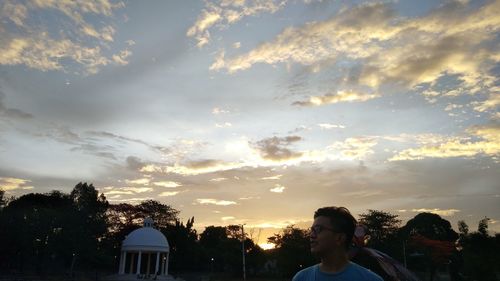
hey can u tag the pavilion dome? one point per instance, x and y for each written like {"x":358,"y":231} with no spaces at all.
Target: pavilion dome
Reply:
{"x":146,"y":238}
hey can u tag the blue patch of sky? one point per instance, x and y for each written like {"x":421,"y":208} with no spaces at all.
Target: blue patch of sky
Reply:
{"x":409,"y":8}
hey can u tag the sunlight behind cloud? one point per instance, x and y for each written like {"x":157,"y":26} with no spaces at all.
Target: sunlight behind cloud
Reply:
{"x":10,"y":184}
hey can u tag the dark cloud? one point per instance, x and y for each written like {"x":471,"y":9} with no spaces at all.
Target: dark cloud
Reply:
{"x":97,"y":142}
{"x":79,"y":142}
{"x":12,"y":113}
{"x":103,"y":151}
{"x":134,"y":163}
{"x":200,"y":164}
{"x":104,"y":134}
{"x":61,"y":134}
{"x":276,"y":148}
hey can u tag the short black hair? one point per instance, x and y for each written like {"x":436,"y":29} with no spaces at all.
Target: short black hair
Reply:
{"x":341,"y":219}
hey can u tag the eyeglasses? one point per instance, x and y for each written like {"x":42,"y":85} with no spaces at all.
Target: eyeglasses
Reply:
{"x":317,"y":229}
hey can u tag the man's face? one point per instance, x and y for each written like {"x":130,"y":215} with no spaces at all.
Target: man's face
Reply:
{"x":323,"y":238}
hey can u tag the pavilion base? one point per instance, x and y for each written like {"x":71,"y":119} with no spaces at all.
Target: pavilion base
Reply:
{"x":144,"y":277}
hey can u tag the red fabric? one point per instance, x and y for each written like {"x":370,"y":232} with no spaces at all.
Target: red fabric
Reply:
{"x":440,"y":250}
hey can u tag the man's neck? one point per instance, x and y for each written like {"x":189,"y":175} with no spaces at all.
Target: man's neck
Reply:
{"x":334,"y":262}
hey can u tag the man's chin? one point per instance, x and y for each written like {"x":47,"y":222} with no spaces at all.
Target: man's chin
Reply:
{"x":316,"y":254}
{"x":314,"y":250}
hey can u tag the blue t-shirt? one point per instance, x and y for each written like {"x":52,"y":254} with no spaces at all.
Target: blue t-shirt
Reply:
{"x":352,"y":272}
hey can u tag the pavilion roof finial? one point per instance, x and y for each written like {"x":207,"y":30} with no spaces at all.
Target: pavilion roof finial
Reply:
{"x":148,"y":222}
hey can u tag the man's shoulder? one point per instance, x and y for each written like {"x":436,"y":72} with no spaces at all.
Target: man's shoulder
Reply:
{"x":305,"y":274}
{"x":367,"y":274}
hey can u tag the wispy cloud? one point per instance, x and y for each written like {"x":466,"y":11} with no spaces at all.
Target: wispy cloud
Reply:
{"x":363,"y":193}
{"x":319,"y":41}
{"x":277,"y":188}
{"x":128,"y":190}
{"x":118,"y":192}
{"x":14,"y":12}
{"x":169,"y":184}
{"x":437,"y":211}
{"x":143,"y":181}
{"x":355,"y":148}
{"x":456,"y":39}
{"x":39,"y":46}
{"x":121,"y":138}
{"x":202,"y":167}
{"x":133,"y":200}
{"x":168,"y":193}
{"x":491,"y":103}
{"x":328,"y":126}
{"x":218,"y":110}
{"x":487,"y":143}
{"x":226,"y":12}
{"x":276,"y":177}
{"x":138,"y":189}
{"x":218,"y":179}
{"x":210,"y":201}
{"x":340,"y":96}
{"x":223,"y":125}
{"x":102,"y":144}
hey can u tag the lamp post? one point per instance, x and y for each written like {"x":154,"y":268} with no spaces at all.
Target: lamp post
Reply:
{"x":243,"y":251}
{"x":404,"y":252}
{"x":72,"y":266}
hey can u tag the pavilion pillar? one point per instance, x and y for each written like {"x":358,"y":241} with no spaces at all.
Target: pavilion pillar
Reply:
{"x":149,"y":262}
{"x":162,"y":272}
{"x":132,"y":260}
{"x":139,"y":263}
{"x":123,"y":258}
{"x":157,"y":262}
{"x":166,"y":265}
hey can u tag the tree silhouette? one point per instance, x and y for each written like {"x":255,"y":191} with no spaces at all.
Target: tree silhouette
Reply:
{"x":482,"y":227}
{"x":2,"y":199}
{"x":481,"y":253}
{"x":185,"y":252}
{"x":463,"y":228}
{"x":431,"y":226}
{"x":34,"y":226}
{"x":433,"y":235}
{"x":163,"y":215}
{"x":382,"y":226}
{"x":90,"y":224}
{"x":292,"y":250}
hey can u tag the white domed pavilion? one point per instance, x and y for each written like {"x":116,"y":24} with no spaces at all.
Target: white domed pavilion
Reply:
{"x":144,"y":254}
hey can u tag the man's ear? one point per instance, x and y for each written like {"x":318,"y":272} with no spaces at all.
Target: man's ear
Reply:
{"x":341,"y":238}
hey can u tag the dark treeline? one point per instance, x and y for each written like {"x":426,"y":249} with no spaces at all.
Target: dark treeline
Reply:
{"x":58,"y":234}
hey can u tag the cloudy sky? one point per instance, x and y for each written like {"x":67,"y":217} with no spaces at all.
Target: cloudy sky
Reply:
{"x":256,"y":112}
